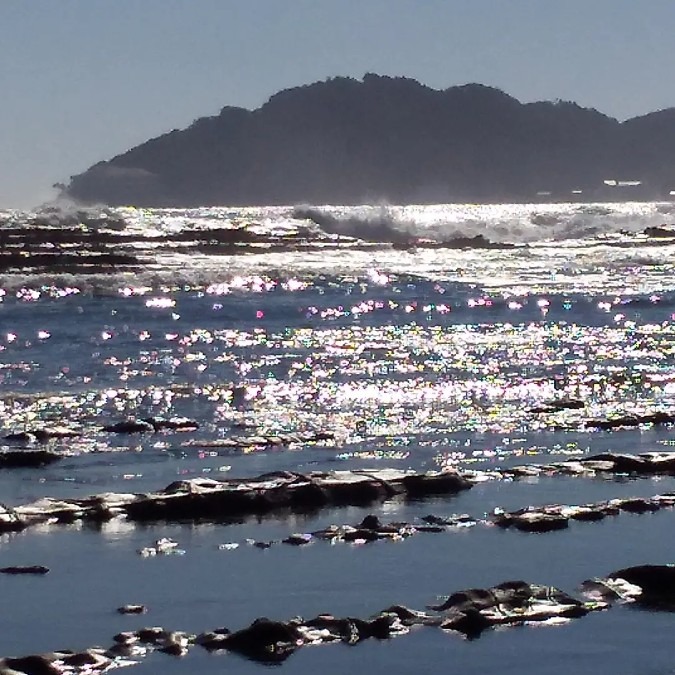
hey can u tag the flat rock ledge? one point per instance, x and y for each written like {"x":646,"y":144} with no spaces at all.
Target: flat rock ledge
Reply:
{"x":209,"y":499}
{"x":558,"y":516}
{"x":643,"y":464}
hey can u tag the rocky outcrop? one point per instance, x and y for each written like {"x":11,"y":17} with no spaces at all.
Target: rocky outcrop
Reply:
{"x":25,"y":569}
{"x":655,"y":419}
{"x":22,"y":459}
{"x":651,"y":586}
{"x":263,"y":440}
{"x":557,"y":405}
{"x":152,"y":425}
{"x":467,"y":612}
{"x":220,"y":500}
{"x":605,"y":463}
{"x":369,"y":530}
{"x":558,"y":516}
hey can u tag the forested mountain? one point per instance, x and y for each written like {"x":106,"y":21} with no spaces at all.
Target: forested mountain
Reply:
{"x":385,"y":138}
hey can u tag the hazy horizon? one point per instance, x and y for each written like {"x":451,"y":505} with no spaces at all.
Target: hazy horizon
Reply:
{"x":85,"y":81}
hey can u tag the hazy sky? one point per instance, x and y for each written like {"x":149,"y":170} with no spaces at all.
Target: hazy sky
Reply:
{"x":83,"y":80}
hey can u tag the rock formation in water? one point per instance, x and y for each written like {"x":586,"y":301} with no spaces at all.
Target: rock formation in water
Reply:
{"x":220,"y":500}
{"x":468,"y":612}
{"x":391,"y":138}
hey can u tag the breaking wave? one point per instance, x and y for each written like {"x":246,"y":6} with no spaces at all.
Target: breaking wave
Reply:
{"x":498,"y":224}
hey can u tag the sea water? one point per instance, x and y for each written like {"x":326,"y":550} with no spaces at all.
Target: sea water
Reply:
{"x":421,"y":337}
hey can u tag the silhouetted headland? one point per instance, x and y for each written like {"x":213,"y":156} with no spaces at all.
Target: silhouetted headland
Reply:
{"x":391,"y":138}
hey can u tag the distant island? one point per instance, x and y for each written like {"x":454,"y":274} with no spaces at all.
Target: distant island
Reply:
{"x":348,"y":141}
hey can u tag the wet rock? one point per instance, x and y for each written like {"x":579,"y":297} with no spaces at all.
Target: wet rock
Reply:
{"x":32,"y":665}
{"x":637,"y":505}
{"x":372,"y":529}
{"x":155,"y":635}
{"x":660,"y":232}
{"x":164,"y":546}
{"x":93,"y":659}
{"x":11,"y":521}
{"x":524,"y":471}
{"x":557,"y":516}
{"x":126,"y":637}
{"x":651,"y":463}
{"x":610,"y":590}
{"x":171,"y":423}
{"x":468,"y":612}
{"x":262,"y":440}
{"x":132,"y":609}
{"x":25,"y":569}
{"x":41,"y":435}
{"x":265,"y":641}
{"x":260,"y":544}
{"x":213,"y":640}
{"x":176,"y":643}
{"x":31,"y":459}
{"x":208,"y":499}
{"x":413,"y":617}
{"x":298,"y":539}
{"x":645,"y":464}
{"x":540,"y":522}
{"x":51,"y":510}
{"x":656,"y":419}
{"x":462,"y":520}
{"x":131,"y":426}
{"x":556,"y":406}
{"x":514,"y":602}
{"x":532,"y":519}
{"x":657,"y":584}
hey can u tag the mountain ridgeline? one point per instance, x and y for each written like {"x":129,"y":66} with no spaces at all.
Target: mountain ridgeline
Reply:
{"x":352,"y":141}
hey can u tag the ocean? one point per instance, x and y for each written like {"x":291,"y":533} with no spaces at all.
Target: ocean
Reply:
{"x":371,"y":337}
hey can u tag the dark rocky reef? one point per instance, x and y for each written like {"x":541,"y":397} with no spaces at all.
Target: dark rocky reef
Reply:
{"x":369,"y":530}
{"x":559,"y":404}
{"x":132,"y":609}
{"x":21,"y":459}
{"x":536,"y":519}
{"x":25,"y":569}
{"x":558,"y":516}
{"x":662,"y":232}
{"x":605,"y":463}
{"x":649,"y":586}
{"x":263,"y":440}
{"x":468,"y":612}
{"x":656,"y":419}
{"x":221,"y":500}
{"x":390,"y":138}
{"x":68,"y":248}
{"x":205,"y":499}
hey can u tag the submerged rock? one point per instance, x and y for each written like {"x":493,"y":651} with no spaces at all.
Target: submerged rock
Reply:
{"x":557,"y":405}
{"x":131,"y":426}
{"x":171,"y":423}
{"x":656,"y":418}
{"x":132,"y":609}
{"x":25,"y":569}
{"x":19,"y":459}
{"x":263,"y":440}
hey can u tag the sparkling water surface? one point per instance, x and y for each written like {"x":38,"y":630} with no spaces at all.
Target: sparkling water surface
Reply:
{"x":413,"y":356}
